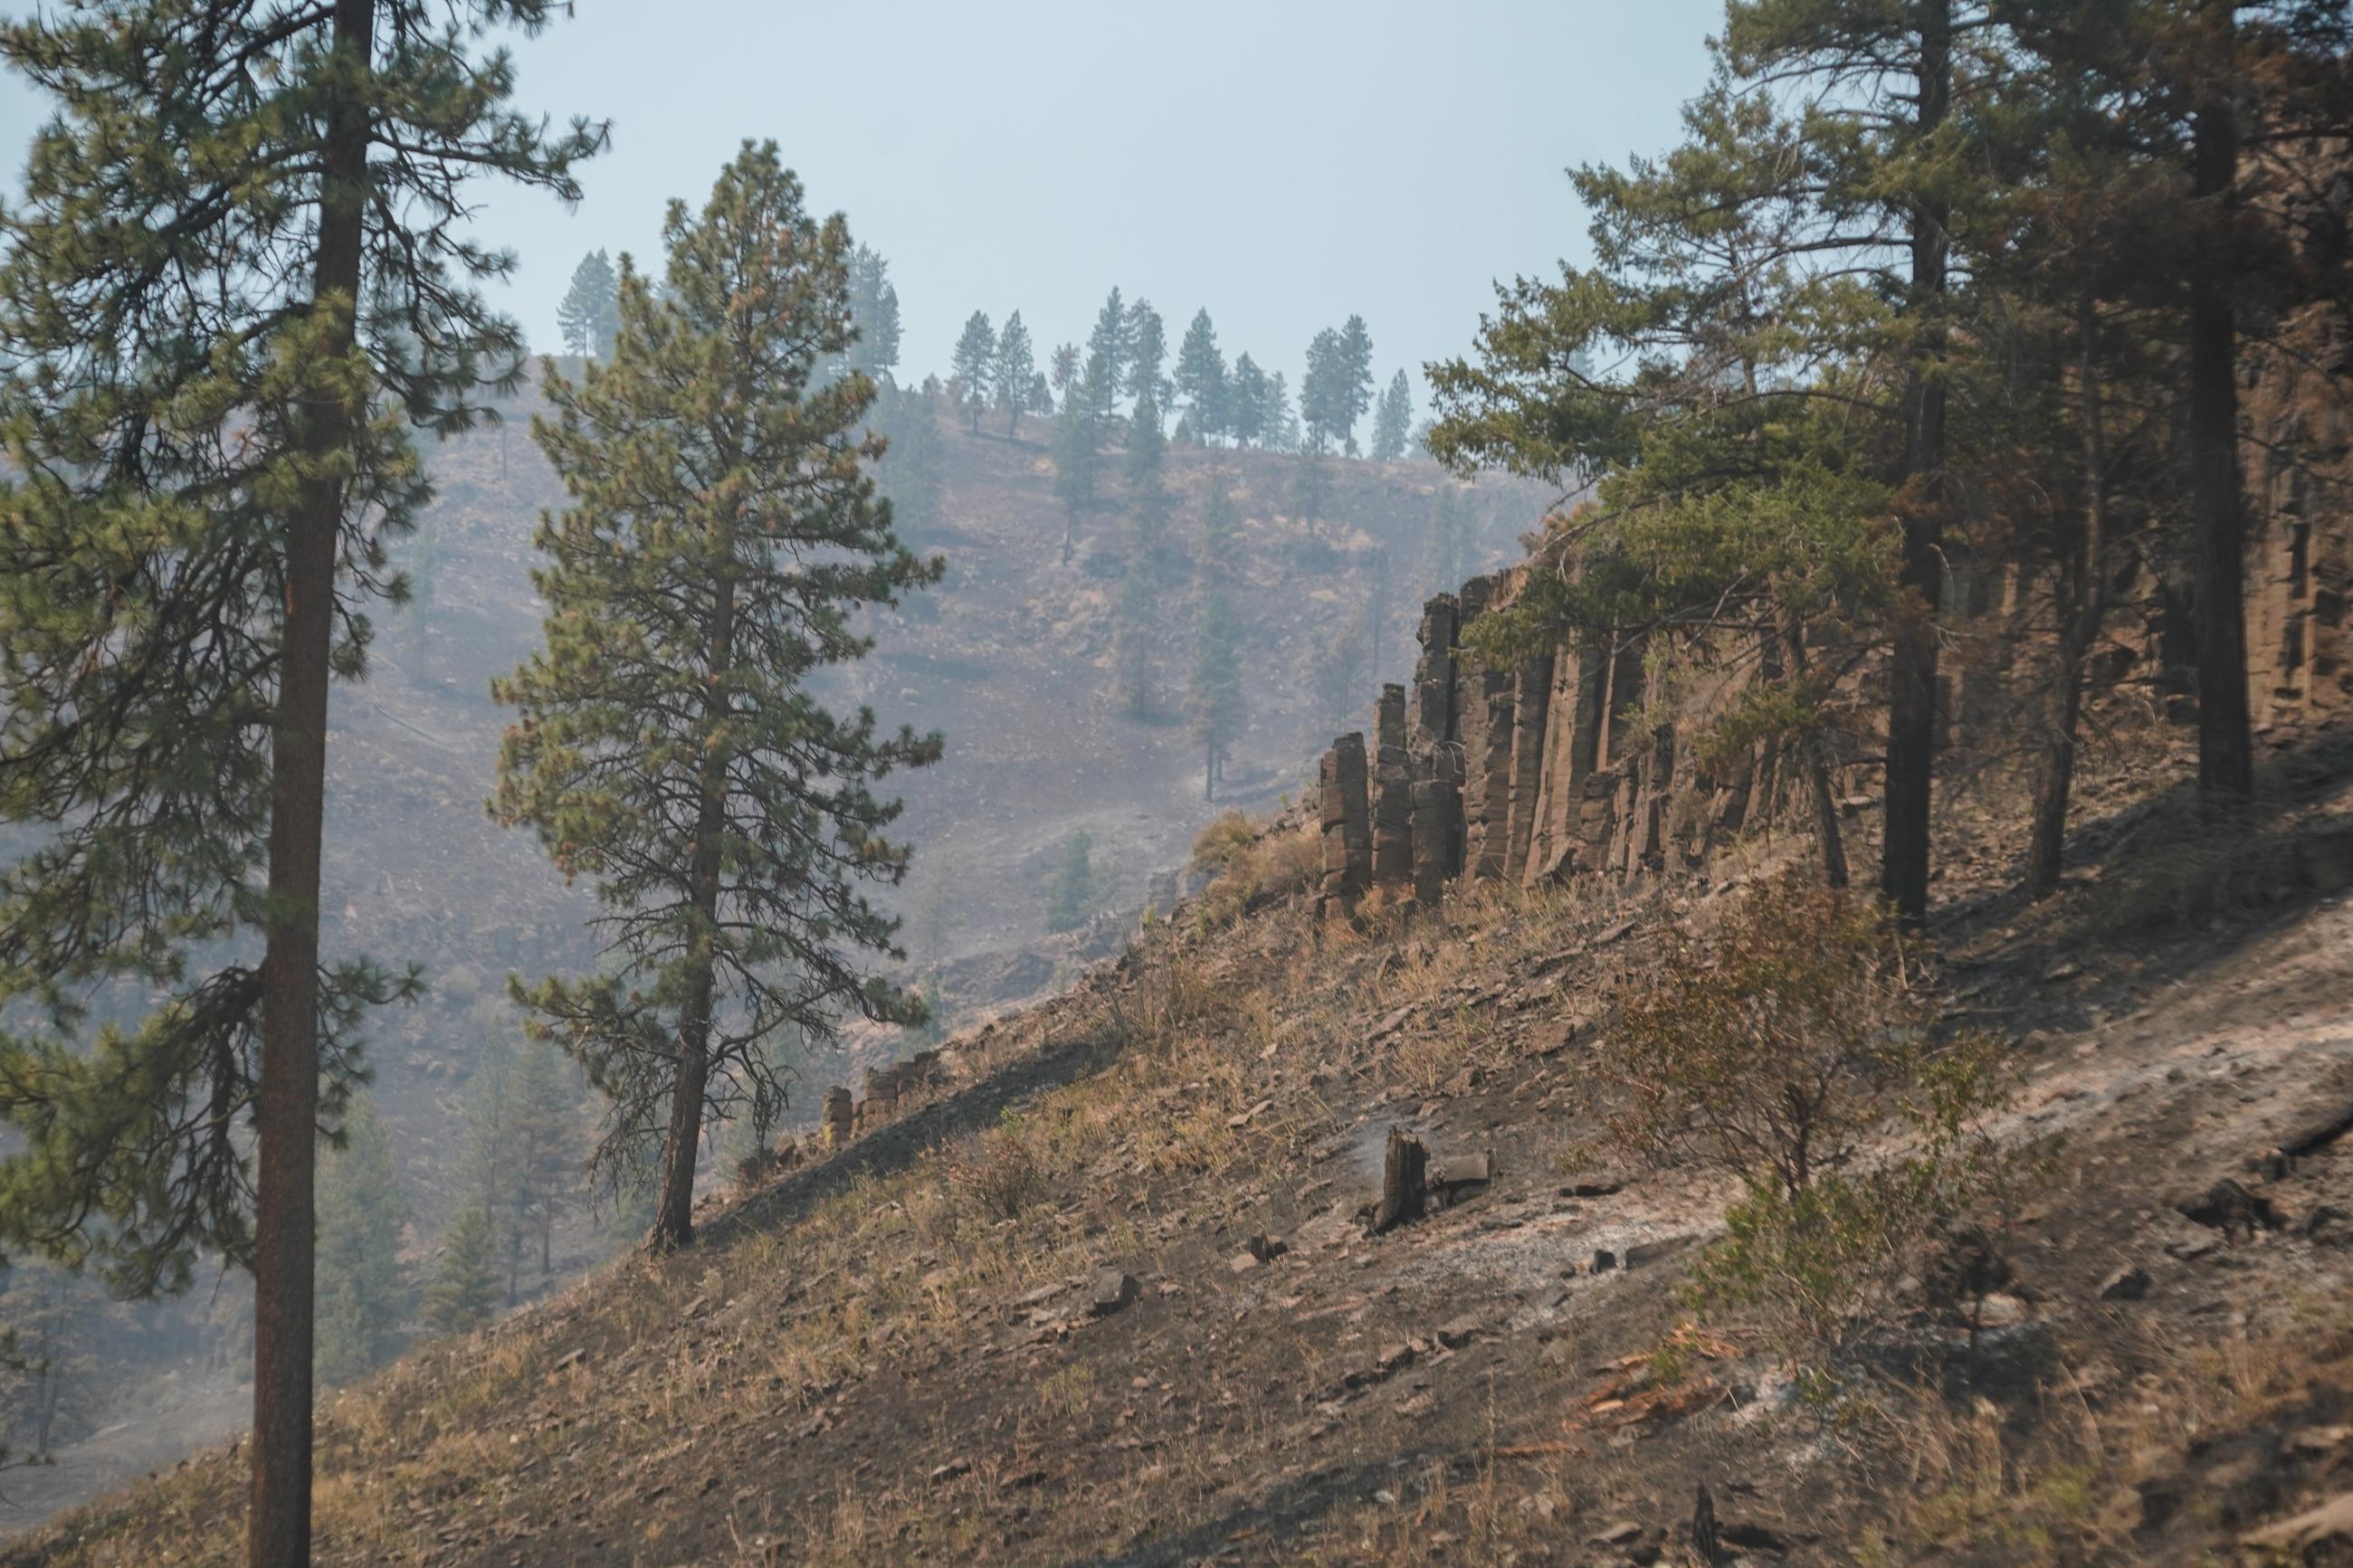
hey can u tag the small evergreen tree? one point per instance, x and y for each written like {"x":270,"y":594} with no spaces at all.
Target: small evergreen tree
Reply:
{"x":1078,"y":456}
{"x":363,"y":1290}
{"x":1354,"y":370}
{"x":1278,"y":425}
{"x":1322,"y":400}
{"x":973,"y":364}
{"x":1246,"y":402}
{"x":1221,"y":531}
{"x":1201,"y":377}
{"x":1393,"y":420}
{"x":722,"y":539}
{"x":1213,"y":693}
{"x":587,"y":308}
{"x":464,"y":1294}
{"x":1070,"y":896}
{"x":1135,"y":670}
{"x":874,"y":312}
{"x":1309,"y":488}
{"x":1110,"y":341}
{"x":1013,"y":372}
{"x":1147,"y":349}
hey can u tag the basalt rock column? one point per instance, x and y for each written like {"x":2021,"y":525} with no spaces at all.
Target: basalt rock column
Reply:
{"x":1483,"y":728}
{"x":1530,"y":697}
{"x":1431,"y":721}
{"x":1392,"y":793}
{"x":839,"y":1109}
{"x":1437,"y":838}
{"x":1347,"y":823}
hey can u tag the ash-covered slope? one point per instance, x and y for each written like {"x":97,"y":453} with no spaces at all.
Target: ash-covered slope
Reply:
{"x":1106,"y":1295}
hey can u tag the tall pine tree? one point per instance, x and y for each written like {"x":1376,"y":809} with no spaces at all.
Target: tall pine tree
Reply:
{"x":973,"y":364}
{"x":236,"y":281}
{"x":1014,"y":370}
{"x":1201,"y":377}
{"x":1393,"y":420}
{"x":364,"y":1292}
{"x":721,"y":536}
{"x":585,"y":314}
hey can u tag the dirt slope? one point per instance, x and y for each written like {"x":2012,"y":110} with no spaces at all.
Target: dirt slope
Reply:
{"x":921,"y":1349}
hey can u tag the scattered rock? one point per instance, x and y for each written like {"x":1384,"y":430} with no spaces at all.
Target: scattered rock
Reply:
{"x":951,"y":1470}
{"x":2230,"y":1208}
{"x":1461,"y":1177}
{"x":1604,"y":1260}
{"x":1458,"y":1331}
{"x":1113,"y":1290}
{"x":1644,"y":1252}
{"x":1625,"y":1533}
{"x":1592,"y":1186}
{"x":2129,"y":1283}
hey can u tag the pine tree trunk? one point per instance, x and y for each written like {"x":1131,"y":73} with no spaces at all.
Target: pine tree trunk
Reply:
{"x":2082,"y":598}
{"x":1912,"y":694}
{"x":1827,"y":835}
{"x":2225,"y":743}
{"x":286,"y":1107}
{"x":674,"y":1219}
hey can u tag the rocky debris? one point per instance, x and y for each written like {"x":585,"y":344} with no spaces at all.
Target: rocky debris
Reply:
{"x":951,"y":1470}
{"x":2129,"y":1283}
{"x":2232,"y":1209}
{"x":1459,"y":1330}
{"x":1114,"y":1291}
{"x":1404,"y":1182}
{"x":1461,"y":1177}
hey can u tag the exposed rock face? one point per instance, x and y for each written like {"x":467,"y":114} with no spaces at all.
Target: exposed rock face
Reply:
{"x":1347,"y":823}
{"x":840,"y":1118}
{"x":1392,"y":793}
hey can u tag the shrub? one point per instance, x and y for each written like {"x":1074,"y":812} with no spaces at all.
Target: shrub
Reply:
{"x":998,"y":1173}
{"x":1251,"y":868}
{"x":1771,"y":1051}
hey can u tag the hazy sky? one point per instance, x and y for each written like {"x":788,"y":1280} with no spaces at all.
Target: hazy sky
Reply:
{"x":1283,"y":162}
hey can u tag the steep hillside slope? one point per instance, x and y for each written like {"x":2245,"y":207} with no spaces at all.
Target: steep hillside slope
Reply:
{"x":1107,"y":1295}
{"x":1010,"y":661}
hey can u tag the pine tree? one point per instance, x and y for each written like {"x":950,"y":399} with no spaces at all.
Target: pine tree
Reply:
{"x":1278,"y":426}
{"x":1147,"y":498}
{"x":974,"y":362}
{"x":464,"y":1294}
{"x":722,"y":536}
{"x":1221,"y":531}
{"x":363,"y":1290}
{"x":1310,"y":488}
{"x":1201,"y":378}
{"x":1355,"y":371}
{"x":1322,"y":396}
{"x":1013,"y":372}
{"x":1213,"y":693}
{"x":874,"y":312}
{"x":1110,"y":341}
{"x":1393,"y":420}
{"x":1246,"y":401}
{"x":1134,"y":668}
{"x":908,"y":474}
{"x":258,"y":213}
{"x":1147,"y":348}
{"x":586,"y":307}
{"x":542,"y":1128}
{"x":1070,"y":896}
{"x":1078,"y":449}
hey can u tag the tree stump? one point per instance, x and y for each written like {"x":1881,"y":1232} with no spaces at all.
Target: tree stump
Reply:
{"x":1404,"y":1182}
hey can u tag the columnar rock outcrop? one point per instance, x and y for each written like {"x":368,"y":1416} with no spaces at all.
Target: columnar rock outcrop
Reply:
{"x":1347,"y":823}
{"x":1393,"y":781}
